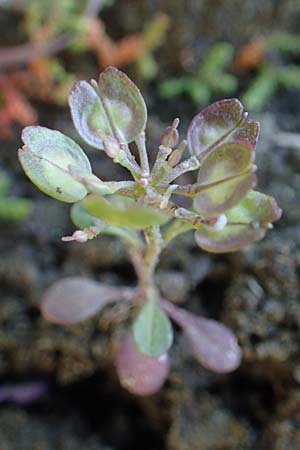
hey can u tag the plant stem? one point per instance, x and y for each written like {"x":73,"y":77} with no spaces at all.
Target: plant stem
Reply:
{"x":144,"y":162}
{"x":145,"y":262}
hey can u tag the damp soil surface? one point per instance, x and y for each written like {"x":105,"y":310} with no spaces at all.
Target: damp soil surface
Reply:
{"x":256,"y":292}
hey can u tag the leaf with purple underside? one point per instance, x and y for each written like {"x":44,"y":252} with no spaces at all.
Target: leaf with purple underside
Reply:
{"x":213,"y":344}
{"x":138,"y":373}
{"x":113,"y":108}
{"x":74,"y":299}
{"x":230,"y":239}
{"x":247,"y":223}
{"x":228,"y":170}
{"x":221,"y":122}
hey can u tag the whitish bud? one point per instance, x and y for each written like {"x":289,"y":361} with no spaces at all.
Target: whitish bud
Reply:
{"x":219,"y":223}
{"x":111,"y":146}
{"x":79,"y":236}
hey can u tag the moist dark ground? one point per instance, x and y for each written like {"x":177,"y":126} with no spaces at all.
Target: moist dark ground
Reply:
{"x":255,"y":292}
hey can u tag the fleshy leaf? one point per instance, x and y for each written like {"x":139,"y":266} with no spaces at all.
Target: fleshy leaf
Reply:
{"x":247,"y":222}
{"x":220,"y":122}
{"x":115,"y":108}
{"x":213,"y":344}
{"x":152,"y":330}
{"x":230,"y":239}
{"x":88,"y":114}
{"x":73,"y":299}
{"x":81,"y":218}
{"x":228,"y":170}
{"x":226,"y":161}
{"x":46,"y":158}
{"x":225,"y":195}
{"x":138,"y":373}
{"x":120,"y":211}
{"x":257,"y":209}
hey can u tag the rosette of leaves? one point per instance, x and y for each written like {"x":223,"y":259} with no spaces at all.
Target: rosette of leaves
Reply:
{"x":226,"y":214}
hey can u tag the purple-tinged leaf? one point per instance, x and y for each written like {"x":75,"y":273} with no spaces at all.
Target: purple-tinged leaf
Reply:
{"x":222,"y":196}
{"x":247,"y":222}
{"x":123,"y":103}
{"x":226,"y":161}
{"x":114,"y":108}
{"x":213,"y":344}
{"x":138,"y":373}
{"x":220,"y":122}
{"x":230,"y":239}
{"x":74,"y":299}
{"x":228,"y":170}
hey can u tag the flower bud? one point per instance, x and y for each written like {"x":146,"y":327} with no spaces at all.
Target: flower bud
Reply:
{"x":170,"y":136}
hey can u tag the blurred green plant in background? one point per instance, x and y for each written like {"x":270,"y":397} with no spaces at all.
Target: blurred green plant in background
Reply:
{"x":12,"y":209}
{"x":275,"y":69}
{"x":264,"y":65}
{"x":210,"y":80}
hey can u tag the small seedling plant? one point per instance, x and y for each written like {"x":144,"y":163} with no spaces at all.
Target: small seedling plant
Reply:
{"x":226,"y":214}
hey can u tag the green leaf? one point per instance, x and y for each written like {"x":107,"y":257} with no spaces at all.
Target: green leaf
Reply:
{"x":82,"y":219}
{"x":121,"y":211}
{"x":257,"y":209}
{"x":114,"y":107}
{"x":46,"y":158}
{"x":152,"y":330}
{"x":220,"y":122}
{"x":176,"y":228}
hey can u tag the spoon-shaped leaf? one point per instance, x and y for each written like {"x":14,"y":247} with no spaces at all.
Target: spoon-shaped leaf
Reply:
{"x":138,"y":373}
{"x":247,"y":222}
{"x":73,"y":299}
{"x":228,"y":170}
{"x":220,"y":122}
{"x":257,"y":209}
{"x":152,"y":330}
{"x":222,"y":196}
{"x":115,"y":108}
{"x":230,"y":239}
{"x":88,"y":114}
{"x":120,"y":211}
{"x":46,"y":158}
{"x":226,"y":161}
{"x":213,"y":344}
